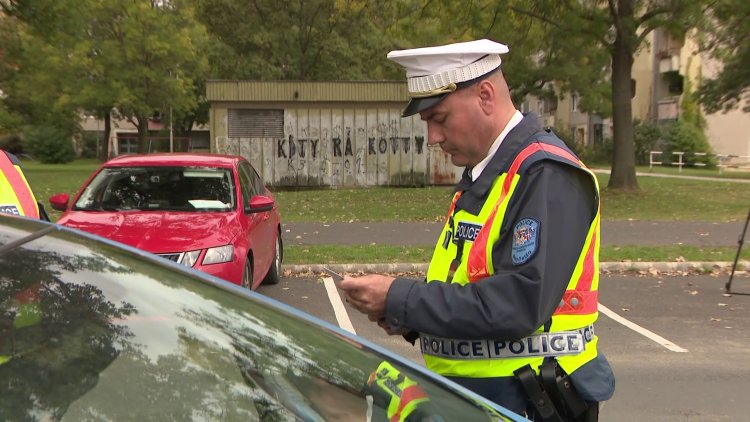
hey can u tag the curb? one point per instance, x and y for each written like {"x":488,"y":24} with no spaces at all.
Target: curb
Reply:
{"x":605,"y":267}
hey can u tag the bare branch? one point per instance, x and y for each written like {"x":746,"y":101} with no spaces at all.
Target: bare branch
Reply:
{"x":651,"y":14}
{"x":535,"y":16}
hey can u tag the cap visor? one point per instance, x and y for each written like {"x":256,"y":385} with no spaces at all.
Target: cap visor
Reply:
{"x":417,"y":105}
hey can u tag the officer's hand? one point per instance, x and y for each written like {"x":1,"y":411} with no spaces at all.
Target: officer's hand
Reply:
{"x":368,"y":293}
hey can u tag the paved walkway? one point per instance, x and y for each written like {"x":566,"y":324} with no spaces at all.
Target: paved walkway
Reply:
{"x":614,"y":233}
{"x":680,"y":176}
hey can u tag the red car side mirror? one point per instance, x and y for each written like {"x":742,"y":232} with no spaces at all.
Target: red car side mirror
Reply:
{"x":259,"y":203}
{"x":59,"y":201}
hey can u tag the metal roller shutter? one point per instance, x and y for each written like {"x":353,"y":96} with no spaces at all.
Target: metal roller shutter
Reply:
{"x":252,"y":123}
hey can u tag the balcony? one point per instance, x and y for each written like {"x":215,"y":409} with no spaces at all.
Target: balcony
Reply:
{"x":667,"y":109}
{"x":668,"y":62}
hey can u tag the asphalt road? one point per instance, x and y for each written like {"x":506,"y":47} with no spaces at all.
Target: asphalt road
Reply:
{"x":678,"y":344}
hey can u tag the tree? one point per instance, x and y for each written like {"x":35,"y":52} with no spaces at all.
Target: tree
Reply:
{"x":149,"y":56}
{"x":728,"y":45}
{"x":538,"y":56}
{"x":30,"y":76}
{"x":621,"y":28}
{"x":129,"y":59}
{"x":304,"y":40}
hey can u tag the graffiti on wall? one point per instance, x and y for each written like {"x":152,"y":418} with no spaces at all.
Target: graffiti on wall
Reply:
{"x":325,"y":147}
{"x":290,"y":147}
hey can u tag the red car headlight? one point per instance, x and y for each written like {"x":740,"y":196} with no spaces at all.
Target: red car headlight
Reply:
{"x":218,"y":254}
{"x":190,"y":258}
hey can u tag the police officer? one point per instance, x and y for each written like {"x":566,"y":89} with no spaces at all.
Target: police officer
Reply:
{"x":16,"y":197}
{"x":510,"y":298}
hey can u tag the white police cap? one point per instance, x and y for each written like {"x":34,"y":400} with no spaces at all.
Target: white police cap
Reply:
{"x":434,"y":72}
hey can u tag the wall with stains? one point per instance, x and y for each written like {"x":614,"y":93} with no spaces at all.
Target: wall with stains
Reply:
{"x":347,"y":147}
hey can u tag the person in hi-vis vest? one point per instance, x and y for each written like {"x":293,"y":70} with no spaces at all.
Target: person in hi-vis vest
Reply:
{"x":510,"y":298}
{"x":16,"y":196}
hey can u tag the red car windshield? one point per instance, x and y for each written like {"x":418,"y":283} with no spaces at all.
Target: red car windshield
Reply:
{"x":189,"y":189}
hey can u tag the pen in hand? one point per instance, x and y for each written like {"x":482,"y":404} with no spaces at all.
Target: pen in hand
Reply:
{"x":336,"y":276}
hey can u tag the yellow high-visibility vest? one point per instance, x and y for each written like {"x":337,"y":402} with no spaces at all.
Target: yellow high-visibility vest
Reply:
{"x":578,"y":307}
{"x":16,"y":196}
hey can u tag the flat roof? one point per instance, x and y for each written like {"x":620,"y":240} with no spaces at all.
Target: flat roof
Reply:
{"x":306,"y":91}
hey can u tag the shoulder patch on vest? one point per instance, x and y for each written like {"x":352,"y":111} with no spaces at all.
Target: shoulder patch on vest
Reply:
{"x":525,"y":240}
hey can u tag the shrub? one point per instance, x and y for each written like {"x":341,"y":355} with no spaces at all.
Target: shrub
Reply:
{"x":89,"y":141}
{"x":599,"y":154}
{"x":12,"y":144}
{"x":568,"y":137}
{"x":595,"y":155}
{"x":686,"y":137}
{"x":646,"y":136}
{"x":49,"y":144}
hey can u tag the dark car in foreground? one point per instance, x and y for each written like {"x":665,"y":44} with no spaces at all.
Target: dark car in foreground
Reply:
{"x":207,"y":211}
{"x":94,"y":330}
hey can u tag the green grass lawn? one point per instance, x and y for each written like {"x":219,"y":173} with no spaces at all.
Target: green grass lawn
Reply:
{"x":677,"y":199}
{"x":659,"y":198}
{"x":50,"y":179}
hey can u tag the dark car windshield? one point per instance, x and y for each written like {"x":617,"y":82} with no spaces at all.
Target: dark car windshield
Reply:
{"x":159,"y":189}
{"x":90,"y":331}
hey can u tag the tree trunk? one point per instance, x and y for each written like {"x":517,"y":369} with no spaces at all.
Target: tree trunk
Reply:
{"x":143,"y":141}
{"x":104,"y":152}
{"x":622,"y":175}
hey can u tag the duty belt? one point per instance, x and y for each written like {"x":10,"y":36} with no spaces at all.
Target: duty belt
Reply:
{"x":558,"y":343}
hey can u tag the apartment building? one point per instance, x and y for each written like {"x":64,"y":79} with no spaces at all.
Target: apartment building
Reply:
{"x":659,"y":72}
{"x":123,"y":138}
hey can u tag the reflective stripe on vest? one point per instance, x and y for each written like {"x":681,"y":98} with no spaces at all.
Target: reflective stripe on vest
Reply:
{"x":559,"y":343}
{"x":402,"y":394}
{"x":578,"y":307}
{"x":479,"y":265}
{"x":15,"y":194}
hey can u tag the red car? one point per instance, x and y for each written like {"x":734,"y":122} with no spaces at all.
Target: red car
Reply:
{"x":210,"y":212}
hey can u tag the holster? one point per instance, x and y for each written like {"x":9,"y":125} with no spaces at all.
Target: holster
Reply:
{"x":539,"y":398}
{"x":552,"y":393}
{"x":562,"y":391}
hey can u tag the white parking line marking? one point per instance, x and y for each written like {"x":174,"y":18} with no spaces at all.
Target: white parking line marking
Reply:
{"x":338,"y":306}
{"x":640,"y":330}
